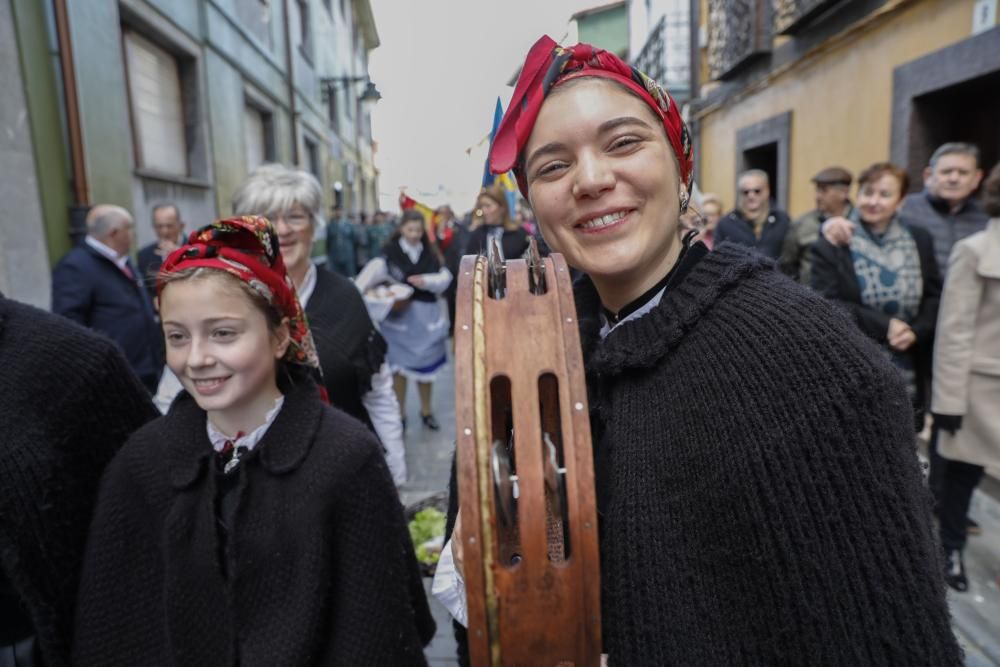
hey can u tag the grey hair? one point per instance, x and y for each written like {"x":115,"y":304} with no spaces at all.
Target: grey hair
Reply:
{"x":955,"y":148}
{"x":103,"y":218}
{"x":275,"y":188}
{"x":755,"y":172}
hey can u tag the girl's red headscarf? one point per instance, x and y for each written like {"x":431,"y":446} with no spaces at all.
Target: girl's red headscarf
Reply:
{"x":247,"y":247}
{"x":548,"y":65}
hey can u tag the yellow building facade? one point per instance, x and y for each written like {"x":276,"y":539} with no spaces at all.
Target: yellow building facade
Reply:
{"x":871,"y":82}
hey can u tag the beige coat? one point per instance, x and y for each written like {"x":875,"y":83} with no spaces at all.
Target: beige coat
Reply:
{"x":967,"y":349}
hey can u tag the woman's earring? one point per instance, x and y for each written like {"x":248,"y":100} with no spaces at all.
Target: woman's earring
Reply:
{"x":685,"y":198}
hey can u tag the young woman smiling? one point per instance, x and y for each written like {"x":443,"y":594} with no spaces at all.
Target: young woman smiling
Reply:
{"x":759,"y":495}
{"x":253,"y":524}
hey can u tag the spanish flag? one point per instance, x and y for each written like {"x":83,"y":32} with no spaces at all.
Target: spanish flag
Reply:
{"x":407,"y":203}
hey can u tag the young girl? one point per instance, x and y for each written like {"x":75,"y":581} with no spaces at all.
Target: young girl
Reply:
{"x":252,"y":524}
{"x":417,"y":331}
{"x":758,"y":490}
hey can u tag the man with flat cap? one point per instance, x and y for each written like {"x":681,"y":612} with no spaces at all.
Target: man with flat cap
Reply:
{"x":833,"y":186}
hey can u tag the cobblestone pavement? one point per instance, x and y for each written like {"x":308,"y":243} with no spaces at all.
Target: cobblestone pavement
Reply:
{"x":976,"y":613}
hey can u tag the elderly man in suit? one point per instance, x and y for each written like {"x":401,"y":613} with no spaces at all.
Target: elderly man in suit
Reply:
{"x":169,"y":229}
{"x":96,"y":285}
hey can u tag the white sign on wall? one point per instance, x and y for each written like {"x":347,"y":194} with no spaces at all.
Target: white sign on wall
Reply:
{"x":984,"y":15}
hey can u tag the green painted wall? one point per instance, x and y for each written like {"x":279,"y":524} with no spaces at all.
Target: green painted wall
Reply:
{"x":104,"y":116}
{"x":41,"y":93}
{"x":607,"y":30}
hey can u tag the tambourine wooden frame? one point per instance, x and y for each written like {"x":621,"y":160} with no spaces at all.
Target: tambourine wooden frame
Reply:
{"x":537,"y":612}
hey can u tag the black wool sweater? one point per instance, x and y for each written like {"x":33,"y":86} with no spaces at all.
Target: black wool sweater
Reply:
{"x":759,"y":494}
{"x":68,"y":401}
{"x":319,"y":570}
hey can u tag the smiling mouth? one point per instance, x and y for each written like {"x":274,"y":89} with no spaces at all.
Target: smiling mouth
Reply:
{"x":603,"y":221}
{"x":208,"y":385}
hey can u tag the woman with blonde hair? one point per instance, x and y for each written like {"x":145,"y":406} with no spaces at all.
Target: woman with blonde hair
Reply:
{"x":491,"y":221}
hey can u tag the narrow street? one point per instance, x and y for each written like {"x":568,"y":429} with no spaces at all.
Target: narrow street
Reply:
{"x":428,"y":462}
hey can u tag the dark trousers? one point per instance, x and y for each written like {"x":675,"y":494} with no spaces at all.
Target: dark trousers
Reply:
{"x":952,"y":483}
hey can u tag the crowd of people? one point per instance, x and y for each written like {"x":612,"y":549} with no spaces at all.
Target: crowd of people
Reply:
{"x":755,"y":383}
{"x":884,"y":258}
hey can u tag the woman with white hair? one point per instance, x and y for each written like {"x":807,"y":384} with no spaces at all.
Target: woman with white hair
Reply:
{"x":351,"y":350}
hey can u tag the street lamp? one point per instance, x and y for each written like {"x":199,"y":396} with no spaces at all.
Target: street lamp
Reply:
{"x":368,"y":98}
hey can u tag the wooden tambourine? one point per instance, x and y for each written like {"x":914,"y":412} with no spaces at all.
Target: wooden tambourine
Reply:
{"x":525,"y":466}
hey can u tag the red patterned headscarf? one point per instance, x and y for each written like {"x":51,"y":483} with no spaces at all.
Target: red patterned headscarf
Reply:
{"x":247,"y":247}
{"x":549,"y":65}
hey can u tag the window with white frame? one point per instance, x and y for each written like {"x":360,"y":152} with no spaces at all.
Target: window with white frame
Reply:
{"x":157,"y":105}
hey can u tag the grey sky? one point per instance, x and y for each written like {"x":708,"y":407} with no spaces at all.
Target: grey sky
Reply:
{"x":440,"y":68}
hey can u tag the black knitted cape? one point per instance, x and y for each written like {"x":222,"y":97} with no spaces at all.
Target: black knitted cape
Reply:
{"x":759,"y":495}
{"x":68,"y":401}
{"x":322,"y":570}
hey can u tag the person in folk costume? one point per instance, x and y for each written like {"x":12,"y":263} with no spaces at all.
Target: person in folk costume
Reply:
{"x":758,"y":490}
{"x":253,"y":524}
{"x":351,"y":350}
{"x":417,"y":329}
{"x":491,"y":221}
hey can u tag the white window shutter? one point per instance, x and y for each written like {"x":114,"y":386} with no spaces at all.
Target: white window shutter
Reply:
{"x":157,"y":106}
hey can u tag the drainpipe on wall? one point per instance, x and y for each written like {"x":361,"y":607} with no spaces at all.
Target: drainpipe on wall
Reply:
{"x":81,"y":197}
{"x":293,"y":114}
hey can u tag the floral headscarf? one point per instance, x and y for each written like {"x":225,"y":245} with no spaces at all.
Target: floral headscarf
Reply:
{"x":549,"y":65}
{"x":247,"y":247}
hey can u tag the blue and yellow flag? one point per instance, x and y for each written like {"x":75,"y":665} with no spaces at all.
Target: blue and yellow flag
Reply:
{"x":507,"y":178}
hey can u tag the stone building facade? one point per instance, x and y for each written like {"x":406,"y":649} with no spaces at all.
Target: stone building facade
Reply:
{"x":135,"y":102}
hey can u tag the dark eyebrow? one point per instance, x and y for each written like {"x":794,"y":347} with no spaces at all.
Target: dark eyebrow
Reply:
{"x":551,"y":147}
{"x":618,"y":122}
{"x":210,"y":321}
{"x":606,"y":126}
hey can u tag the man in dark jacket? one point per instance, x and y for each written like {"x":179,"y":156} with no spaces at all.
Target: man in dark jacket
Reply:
{"x":96,"y":285}
{"x":753,"y":222}
{"x":68,"y":401}
{"x":946,"y":207}
{"x":833,"y":189}
{"x":169,"y":230}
